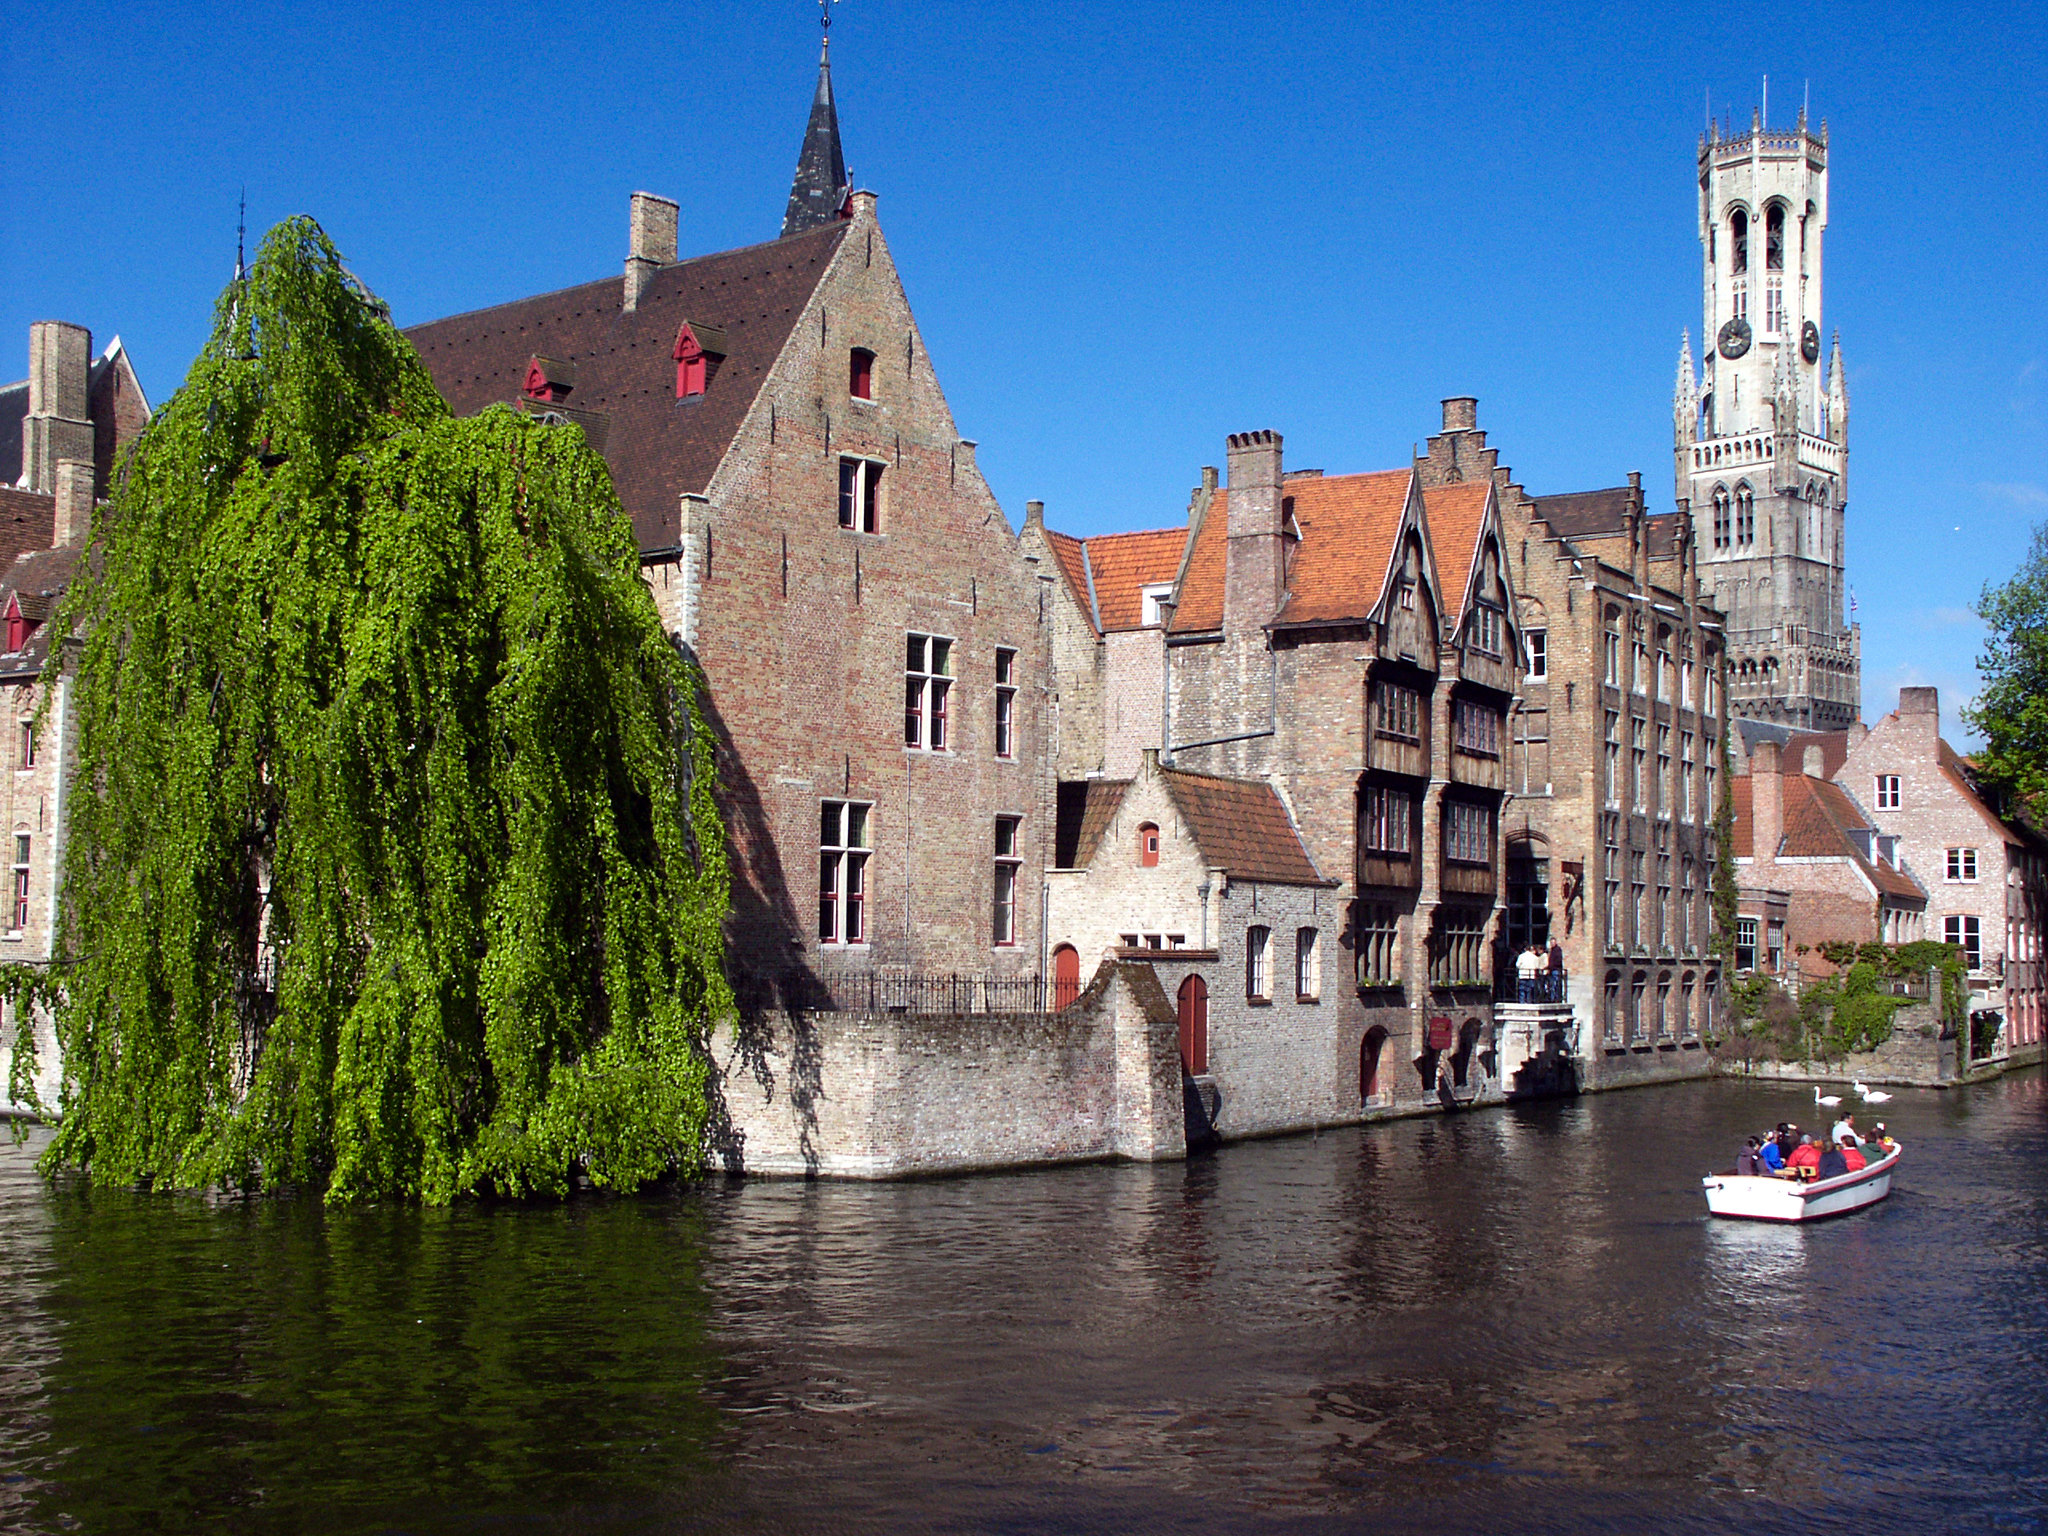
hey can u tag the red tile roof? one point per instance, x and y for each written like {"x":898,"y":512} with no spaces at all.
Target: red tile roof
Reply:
{"x":1348,"y":526}
{"x":1068,"y":553}
{"x":1818,"y":818}
{"x":1123,"y":564}
{"x":658,"y":447}
{"x":1201,"y":586}
{"x":1455,"y":513}
{"x":1242,"y":827}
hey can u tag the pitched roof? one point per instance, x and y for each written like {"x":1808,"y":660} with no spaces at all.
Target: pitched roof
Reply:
{"x":1071,"y":556}
{"x":1819,"y":817}
{"x":1084,"y":809}
{"x":1348,"y":526}
{"x":1200,"y":597}
{"x":1957,"y":771}
{"x":1834,"y":750}
{"x":1242,"y":827}
{"x":1578,"y":514}
{"x":1122,"y":565}
{"x":659,"y":447}
{"x":28,"y":520}
{"x":1455,"y":514}
{"x":38,"y":578}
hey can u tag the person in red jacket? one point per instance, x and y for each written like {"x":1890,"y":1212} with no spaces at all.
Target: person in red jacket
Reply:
{"x":1806,"y":1155}
{"x":1853,"y":1156}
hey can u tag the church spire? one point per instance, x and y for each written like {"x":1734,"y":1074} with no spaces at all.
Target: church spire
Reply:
{"x":820,"y":189}
{"x":1685,"y":400}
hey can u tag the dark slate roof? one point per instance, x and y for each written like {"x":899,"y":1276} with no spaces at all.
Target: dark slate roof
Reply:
{"x":820,"y":188}
{"x":28,"y":520}
{"x":39,"y":578}
{"x":1242,"y":827}
{"x":1085,"y":808}
{"x":659,"y":448}
{"x":1580,"y":513}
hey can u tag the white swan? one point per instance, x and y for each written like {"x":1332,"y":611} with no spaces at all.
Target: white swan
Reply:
{"x":1829,"y":1099}
{"x":1872,"y":1095}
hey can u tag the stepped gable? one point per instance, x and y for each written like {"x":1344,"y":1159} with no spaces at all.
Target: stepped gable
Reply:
{"x":659,"y":448}
{"x":1122,"y":565}
{"x":1457,"y":514}
{"x":1819,"y":817}
{"x":1348,"y":525}
{"x":1085,"y":808}
{"x":1242,"y":827}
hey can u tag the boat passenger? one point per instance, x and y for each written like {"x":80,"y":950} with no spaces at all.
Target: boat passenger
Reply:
{"x":1747,"y":1164}
{"x":1788,"y":1139}
{"x":1844,"y":1131}
{"x":1769,"y":1155}
{"x":1805,"y":1155}
{"x":1853,"y":1156}
{"x":1832,"y":1163}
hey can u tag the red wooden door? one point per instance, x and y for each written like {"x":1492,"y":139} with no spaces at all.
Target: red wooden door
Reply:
{"x":1194,"y":1026}
{"x":1066,"y":975}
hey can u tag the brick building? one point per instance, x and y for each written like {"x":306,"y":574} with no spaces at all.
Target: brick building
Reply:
{"x":816,"y":532}
{"x":1352,"y":642}
{"x":1613,"y":761}
{"x":1984,"y":869}
{"x":1812,"y":869}
{"x":69,"y":422}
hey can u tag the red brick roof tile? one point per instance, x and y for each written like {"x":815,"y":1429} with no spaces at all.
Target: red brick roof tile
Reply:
{"x":1348,"y":526}
{"x":1242,"y":827}
{"x":1124,"y":564}
{"x":1455,"y":514}
{"x":1201,"y":586}
{"x":1818,"y":818}
{"x":1068,"y":554}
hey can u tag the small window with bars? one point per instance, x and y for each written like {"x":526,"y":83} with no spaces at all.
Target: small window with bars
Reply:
{"x":1379,"y":945}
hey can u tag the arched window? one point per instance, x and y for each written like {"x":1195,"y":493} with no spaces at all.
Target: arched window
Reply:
{"x":1723,"y":528}
{"x":1193,"y":1018}
{"x":1738,"y":241}
{"x":860,"y":374}
{"x":1774,"y":238}
{"x":1148,"y":846}
{"x":1066,"y":975}
{"x":1745,"y":515}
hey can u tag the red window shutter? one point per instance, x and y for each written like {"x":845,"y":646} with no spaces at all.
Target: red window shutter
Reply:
{"x":861,"y":374}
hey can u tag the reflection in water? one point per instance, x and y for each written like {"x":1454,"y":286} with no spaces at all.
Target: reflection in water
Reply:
{"x":1514,"y":1321}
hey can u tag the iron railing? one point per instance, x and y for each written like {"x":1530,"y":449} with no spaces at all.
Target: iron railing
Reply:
{"x":872,"y":992}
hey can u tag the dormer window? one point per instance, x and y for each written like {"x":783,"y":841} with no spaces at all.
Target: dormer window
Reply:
{"x":698,"y":351}
{"x":17,"y":626}
{"x":549,"y":379}
{"x":1153,"y":615}
{"x":860,"y":374}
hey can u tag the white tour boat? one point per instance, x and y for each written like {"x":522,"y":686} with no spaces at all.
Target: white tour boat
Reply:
{"x":1763,"y":1198}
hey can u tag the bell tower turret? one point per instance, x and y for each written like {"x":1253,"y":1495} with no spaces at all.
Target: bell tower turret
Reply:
{"x":1762,"y":455}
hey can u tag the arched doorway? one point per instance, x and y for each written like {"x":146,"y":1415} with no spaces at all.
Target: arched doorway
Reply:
{"x":1194,"y":1026}
{"x":1066,"y":976}
{"x":1369,"y":1050}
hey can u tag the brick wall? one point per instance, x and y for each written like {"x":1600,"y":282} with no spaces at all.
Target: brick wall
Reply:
{"x":887,"y":1095}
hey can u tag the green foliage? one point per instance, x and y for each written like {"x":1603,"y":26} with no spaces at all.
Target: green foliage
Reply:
{"x":2011,"y":709}
{"x":393,"y":861}
{"x":1725,"y":901}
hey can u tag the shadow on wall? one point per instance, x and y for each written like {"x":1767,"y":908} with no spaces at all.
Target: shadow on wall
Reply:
{"x":766,"y":979}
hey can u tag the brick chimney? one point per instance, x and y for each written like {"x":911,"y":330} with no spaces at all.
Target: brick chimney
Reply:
{"x":59,"y":422}
{"x":1766,"y":802}
{"x":1813,"y":763}
{"x":1252,"y":551}
{"x":74,"y":492}
{"x":651,"y":235}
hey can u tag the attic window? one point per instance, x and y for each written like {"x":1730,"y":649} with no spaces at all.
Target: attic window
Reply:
{"x":1153,"y":596}
{"x":549,"y":379}
{"x":17,"y":626}
{"x":860,"y":374}
{"x":698,"y":351}
{"x":1148,"y":846}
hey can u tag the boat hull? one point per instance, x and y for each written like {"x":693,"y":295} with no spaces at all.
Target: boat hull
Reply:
{"x":1767,"y":1199}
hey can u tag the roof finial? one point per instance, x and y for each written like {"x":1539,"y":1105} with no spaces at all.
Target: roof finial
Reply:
{"x":821,"y":186}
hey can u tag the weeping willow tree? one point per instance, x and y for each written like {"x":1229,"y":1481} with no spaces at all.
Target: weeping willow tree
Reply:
{"x":393,"y":862}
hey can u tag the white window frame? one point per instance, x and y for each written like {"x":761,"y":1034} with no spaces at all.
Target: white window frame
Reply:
{"x":1538,"y":643}
{"x":927,"y":692}
{"x":1888,"y":792}
{"x":1006,"y":703}
{"x":860,"y":494}
{"x":1962,"y":866}
{"x":1967,"y":934}
{"x":1747,"y":936}
{"x":24,"y":846}
{"x":1149,"y":598}
{"x":1308,"y":965}
{"x":1009,"y":869}
{"x":1258,"y":963}
{"x":843,"y":859}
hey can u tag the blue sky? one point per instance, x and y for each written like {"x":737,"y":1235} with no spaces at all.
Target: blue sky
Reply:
{"x":1129,"y":229}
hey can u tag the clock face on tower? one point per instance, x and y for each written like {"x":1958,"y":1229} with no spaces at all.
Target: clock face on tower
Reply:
{"x":1809,"y":342}
{"x":1734,"y":338}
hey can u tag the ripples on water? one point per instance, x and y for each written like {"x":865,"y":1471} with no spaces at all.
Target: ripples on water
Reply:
{"x":1504,"y":1321}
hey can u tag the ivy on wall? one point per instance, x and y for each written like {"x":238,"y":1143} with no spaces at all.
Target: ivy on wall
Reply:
{"x":393,"y":862}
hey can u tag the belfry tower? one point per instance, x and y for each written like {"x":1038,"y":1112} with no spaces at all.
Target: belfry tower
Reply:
{"x":1762,"y":431}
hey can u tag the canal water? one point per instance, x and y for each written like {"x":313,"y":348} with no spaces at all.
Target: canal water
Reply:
{"x":1504,"y":1321}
